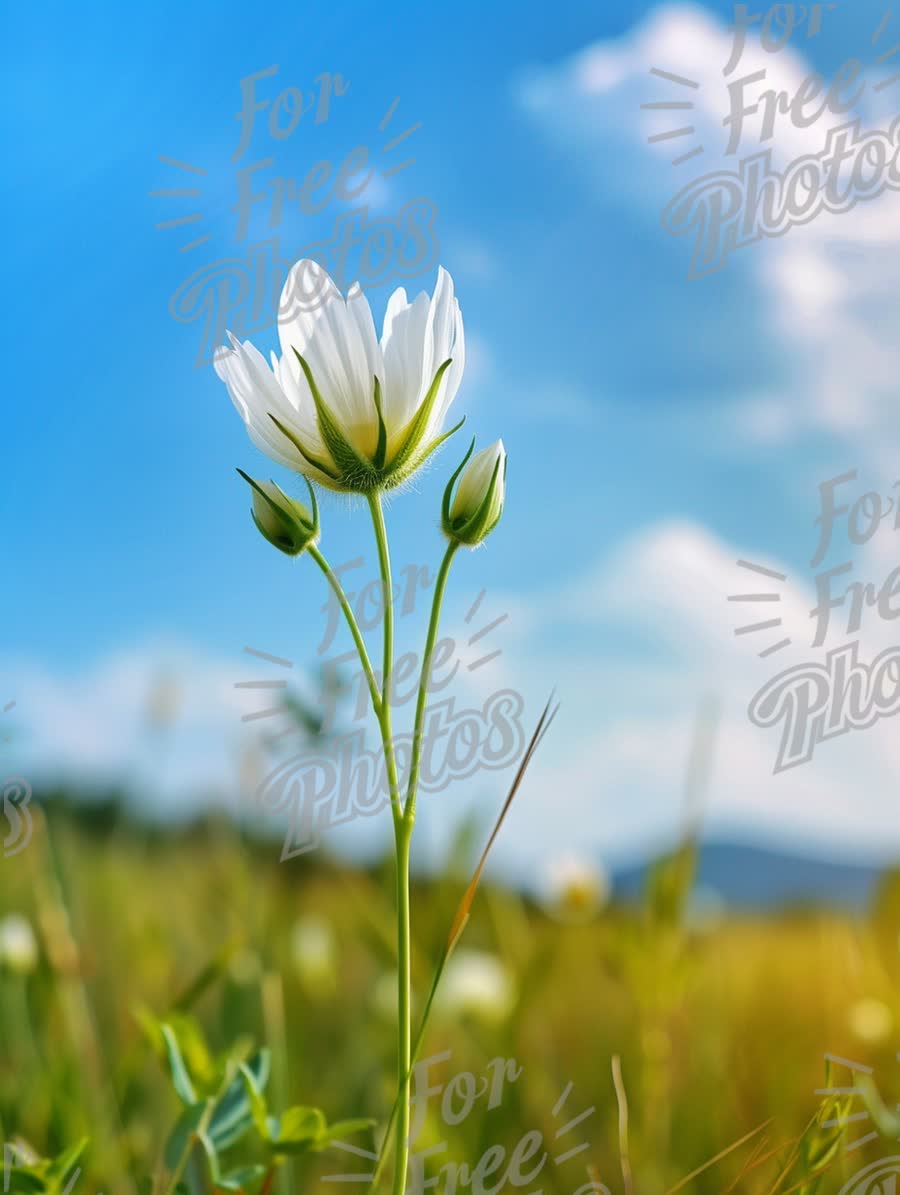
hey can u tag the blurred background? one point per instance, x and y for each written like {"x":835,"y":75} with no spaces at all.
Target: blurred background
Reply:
{"x":676,"y":410}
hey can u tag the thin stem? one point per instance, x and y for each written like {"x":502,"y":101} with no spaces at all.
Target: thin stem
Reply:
{"x":403,"y":834}
{"x":384,"y":707}
{"x":402,"y":837}
{"x":352,"y":624}
{"x":440,"y":585}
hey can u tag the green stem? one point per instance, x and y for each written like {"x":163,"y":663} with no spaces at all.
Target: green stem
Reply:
{"x":440,"y":585}
{"x":351,"y":623}
{"x":403,"y":834}
{"x":384,"y":706}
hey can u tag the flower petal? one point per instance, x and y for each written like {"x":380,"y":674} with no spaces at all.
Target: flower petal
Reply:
{"x":403,"y":346}
{"x":336,"y":337}
{"x":257,"y":393}
{"x":444,"y":338}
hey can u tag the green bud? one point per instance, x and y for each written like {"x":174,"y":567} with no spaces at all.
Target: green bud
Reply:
{"x":285,"y":522}
{"x":471,"y":514}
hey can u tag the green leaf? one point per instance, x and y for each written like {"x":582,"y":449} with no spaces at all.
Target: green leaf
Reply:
{"x":212,"y":1157}
{"x":237,"y":1180}
{"x":22,"y":1180}
{"x":233,"y":1115}
{"x":62,"y":1166}
{"x":299,"y":1129}
{"x":184,"y":1132}
{"x":180,"y":1077}
{"x":344,"y":1128}
{"x":258,"y":1107}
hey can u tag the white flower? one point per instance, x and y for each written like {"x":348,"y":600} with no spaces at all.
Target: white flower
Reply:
{"x":471,"y":514}
{"x":479,"y":984}
{"x":575,"y":889}
{"x":314,"y":952}
{"x":338,"y":406}
{"x":18,"y":946}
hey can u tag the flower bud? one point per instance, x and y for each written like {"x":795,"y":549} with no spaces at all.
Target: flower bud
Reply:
{"x":474,"y":511}
{"x":283,"y":521}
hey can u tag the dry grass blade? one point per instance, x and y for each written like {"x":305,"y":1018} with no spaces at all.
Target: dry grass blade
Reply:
{"x":809,"y":1178}
{"x":757,"y":1156}
{"x":718,"y":1158}
{"x":462,"y":913}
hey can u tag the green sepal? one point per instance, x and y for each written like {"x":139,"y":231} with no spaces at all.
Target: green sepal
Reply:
{"x":307,"y":456}
{"x":433,"y":447}
{"x":381,"y":448}
{"x":477,"y":528}
{"x":298,"y":531}
{"x":415,"y":429}
{"x":351,"y":466}
{"x":448,"y":492}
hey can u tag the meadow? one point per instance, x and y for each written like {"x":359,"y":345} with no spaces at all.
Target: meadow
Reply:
{"x":697,"y":1037}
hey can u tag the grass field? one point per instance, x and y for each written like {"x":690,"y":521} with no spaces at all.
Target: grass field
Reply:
{"x":720,"y":1025}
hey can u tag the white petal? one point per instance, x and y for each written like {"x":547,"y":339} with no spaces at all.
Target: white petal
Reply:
{"x":475,"y":480}
{"x":337,"y":340}
{"x":256,"y":393}
{"x":444,"y":339}
{"x":403,"y":345}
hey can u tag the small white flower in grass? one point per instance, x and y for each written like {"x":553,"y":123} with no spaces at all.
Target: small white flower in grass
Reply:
{"x":18,"y":945}
{"x":314,"y":953}
{"x":345,"y":409}
{"x":575,"y":889}
{"x":471,"y":513}
{"x":477,"y":984}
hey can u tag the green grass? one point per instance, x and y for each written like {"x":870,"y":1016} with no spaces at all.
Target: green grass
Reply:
{"x":719,"y":1030}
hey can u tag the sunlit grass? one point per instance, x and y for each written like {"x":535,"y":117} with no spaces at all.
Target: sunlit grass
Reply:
{"x":721,"y":1028}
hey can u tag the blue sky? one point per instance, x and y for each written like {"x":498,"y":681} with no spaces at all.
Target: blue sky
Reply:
{"x":657,"y":428}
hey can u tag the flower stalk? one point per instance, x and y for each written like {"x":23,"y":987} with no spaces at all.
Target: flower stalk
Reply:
{"x":359,"y":415}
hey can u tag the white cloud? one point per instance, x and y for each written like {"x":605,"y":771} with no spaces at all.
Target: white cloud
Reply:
{"x":610,"y":776}
{"x":828,"y":288}
{"x":608,"y":779}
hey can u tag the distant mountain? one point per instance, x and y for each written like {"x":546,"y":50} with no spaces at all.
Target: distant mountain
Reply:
{"x":755,"y":878}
